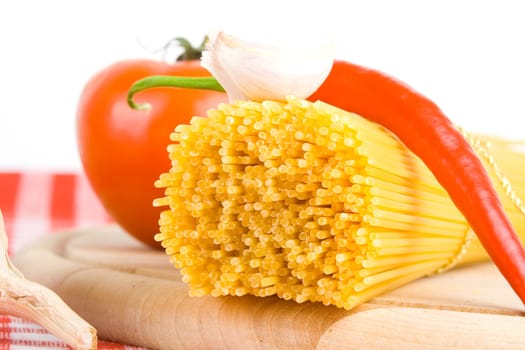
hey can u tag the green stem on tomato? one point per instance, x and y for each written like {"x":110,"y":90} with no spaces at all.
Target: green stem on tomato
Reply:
{"x":190,"y":52}
{"x":157,"y":81}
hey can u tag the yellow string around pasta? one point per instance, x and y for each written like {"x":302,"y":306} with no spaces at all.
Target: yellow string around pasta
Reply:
{"x":308,"y":202}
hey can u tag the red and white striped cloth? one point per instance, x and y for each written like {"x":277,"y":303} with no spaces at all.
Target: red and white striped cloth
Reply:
{"x":33,"y":205}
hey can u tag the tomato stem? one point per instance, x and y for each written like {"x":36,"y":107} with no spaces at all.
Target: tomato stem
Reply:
{"x":190,"y":52}
{"x":156,"y":81}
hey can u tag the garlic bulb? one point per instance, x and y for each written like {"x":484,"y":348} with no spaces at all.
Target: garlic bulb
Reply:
{"x":250,"y":71}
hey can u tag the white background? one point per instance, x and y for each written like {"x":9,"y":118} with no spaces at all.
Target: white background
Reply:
{"x":466,"y":55}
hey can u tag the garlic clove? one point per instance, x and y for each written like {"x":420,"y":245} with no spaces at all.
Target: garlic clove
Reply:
{"x":29,"y":300}
{"x":250,"y":71}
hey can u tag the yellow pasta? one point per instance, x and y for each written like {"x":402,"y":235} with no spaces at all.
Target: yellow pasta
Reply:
{"x":308,"y":202}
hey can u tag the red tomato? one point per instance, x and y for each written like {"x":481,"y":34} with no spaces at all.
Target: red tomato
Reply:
{"x":123,"y":151}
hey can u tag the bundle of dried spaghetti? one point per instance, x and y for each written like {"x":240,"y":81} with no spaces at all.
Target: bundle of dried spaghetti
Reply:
{"x":308,"y":202}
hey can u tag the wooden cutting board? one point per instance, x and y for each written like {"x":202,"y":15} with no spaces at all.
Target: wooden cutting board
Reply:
{"x":131,"y":294}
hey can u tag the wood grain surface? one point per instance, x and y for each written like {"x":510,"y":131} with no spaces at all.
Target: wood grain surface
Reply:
{"x":132,"y":294}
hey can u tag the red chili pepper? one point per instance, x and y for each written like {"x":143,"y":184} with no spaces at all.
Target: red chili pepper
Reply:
{"x":426,"y":131}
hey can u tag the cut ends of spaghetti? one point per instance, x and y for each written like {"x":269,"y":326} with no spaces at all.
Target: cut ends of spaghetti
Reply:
{"x":304,"y":201}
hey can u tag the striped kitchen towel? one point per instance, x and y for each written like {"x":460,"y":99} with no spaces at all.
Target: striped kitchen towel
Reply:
{"x":35,"y":204}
